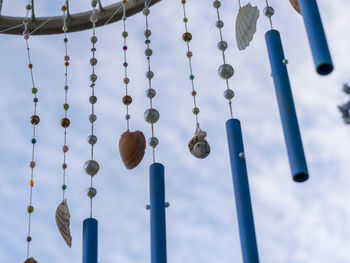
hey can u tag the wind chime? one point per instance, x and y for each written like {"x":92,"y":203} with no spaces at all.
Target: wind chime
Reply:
{"x":132,"y":145}
{"x":34,"y":120}
{"x":62,"y":211}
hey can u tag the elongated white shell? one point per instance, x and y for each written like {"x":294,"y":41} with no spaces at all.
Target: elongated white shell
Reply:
{"x":63,"y":222}
{"x":246,"y":21}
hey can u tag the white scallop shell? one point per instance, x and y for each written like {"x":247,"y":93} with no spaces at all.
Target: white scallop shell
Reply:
{"x":198,"y":145}
{"x":246,"y":21}
{"x":63,"y":222}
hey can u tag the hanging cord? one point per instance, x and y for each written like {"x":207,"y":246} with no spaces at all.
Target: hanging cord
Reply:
{"x":269,"y":12}
{"x":65,"y":122}
{"x":34,"y":121}
{"x":151,"y":115}
{"x":225,"y":68}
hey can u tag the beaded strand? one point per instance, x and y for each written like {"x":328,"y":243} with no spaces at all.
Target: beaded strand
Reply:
{"x":225,"y":71}
{"x":92,"y":167}
{"x":35,"y":120}
{"x":65,"y":122}
{"x":127,"y":100}
{"x":151,"y":115}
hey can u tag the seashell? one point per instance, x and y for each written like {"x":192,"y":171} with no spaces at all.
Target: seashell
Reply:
{"x":295,"y":4}
{"x":198,"y":145}
{"x":246,"y":21}
{"x":63,"y":222}
{"x":132,"y":147}
{"x":30,"y":260}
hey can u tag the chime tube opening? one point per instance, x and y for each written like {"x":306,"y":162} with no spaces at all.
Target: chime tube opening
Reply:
{"x":242,"y":194}
{"x":90,"y":238}
{"x":286,"y":107}
{"x":157,"y":214}
{"x":317,"y":37}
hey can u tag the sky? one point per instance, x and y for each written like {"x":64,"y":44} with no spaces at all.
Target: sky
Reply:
{"x":295,"y":223}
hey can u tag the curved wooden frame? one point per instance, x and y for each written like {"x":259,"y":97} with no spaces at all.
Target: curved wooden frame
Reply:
{"x":76,"y":22}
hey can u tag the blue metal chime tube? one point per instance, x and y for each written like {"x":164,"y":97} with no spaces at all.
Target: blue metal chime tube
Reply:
{"x":158,"y":228}
{"x":286,"y":107}
{"x":317,"y":37}
{"x":242,"y":195}
{"x":90,"y":240}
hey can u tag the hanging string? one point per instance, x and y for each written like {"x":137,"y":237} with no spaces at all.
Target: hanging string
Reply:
{"x":65,"y":122}
{"x":92,"y":167}
{"x":151,"y":115}
{"x":225,"y":71}
{"x":239,"y":3}
{"x":126,"y":99}
{"x":269,"y":12}
{"x":34,"y":121}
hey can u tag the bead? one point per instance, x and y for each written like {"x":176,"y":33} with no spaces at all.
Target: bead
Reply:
{"x":66,"y":63}
{"x":151,"y":93}
{"x":64,"y":187}
{"x":126,"y":80}
{"x":29,"y":239}
{"x":269,"y":11}
{"x":147,"y":33}
{"x":195,"y":110}
{"x":64,"y":166}
{"x":127,"y":116}
{"x":66,"y":106}
{"x":91,"y":167}
{"x":124,"y":2}
{"x":94,"y":18}
{"x":149,"y":74}
{"x":31,"y":183}
{"x":93,"y":61}
{"x":33,"y":141}
{"x":66,"y":88}
{"x":219,"y":24}
{"x":32,"y":164}
{"x":148,"y":52}
{"x":35,"y":120}
{"x":92,"y":118}
{"x":127,"y":100}
{"x":65,"y":122}
{"x":93,"y":39}
{"x":25,"y":21}
{"x":35,"y":100}
{"x":64,"y":8}
{"x":125,"y":64}
{"x":191,"y":77}
{"x":30,"y":66}
{"x":65,"y":40}
{"x":28,"y":7}
{"x":125,"y":48}
{"x":187,"y":37}
{"x":222,"y":45}
{"x":189,"y":54}
{"x":226,"y":71}
{"x":285,"y":61}
{"x":65,"y":28}
{"x":93,"y":99}
{"x":30,"y":209}
{"x":124,"y":18}
{"x":93,"y":77}
{"x":146,"y":11}
{"x":147,"y":41}
{"x":193,"y":93}
{"x":125,"y":34}
{"x":65,"y":148}
{"x":153,"y":142}
{"x":229,"y":94}
{"x":216,"y":4}
{"x":151,"y":115}
{"x":91,"y":192}
{"x":93,"y":49}
{"x":94,"y":3}
{"x":183,"y":2}
{"x":92,"y":139}
{"x":185,"y":20}
{"x":26,"y":36}
{"x":66,"y":58}
{"x":34,"y":90}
